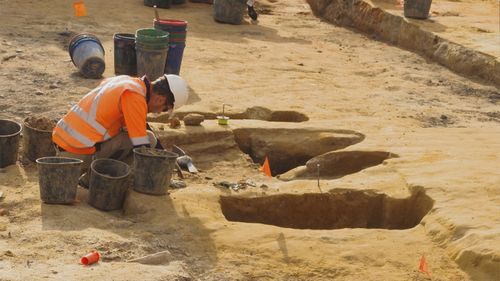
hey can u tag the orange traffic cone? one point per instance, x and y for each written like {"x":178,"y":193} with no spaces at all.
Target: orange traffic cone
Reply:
{"x":80,"y":10}
{"x":90,"y":258}
{"x":423,"y":266}
{"x":265,"y":168}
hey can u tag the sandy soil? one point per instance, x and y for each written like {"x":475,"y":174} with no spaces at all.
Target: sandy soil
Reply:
{"x":360,"y":96}
{"x":467,"y":22}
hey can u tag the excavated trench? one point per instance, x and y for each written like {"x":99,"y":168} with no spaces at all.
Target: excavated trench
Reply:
{"x":340,"y":208}
{"x":336,"y":164}
{"x":288,"y":148}
{"x":296,"y":153}
{"x":399,"y":31}
{"x":293,"y":152}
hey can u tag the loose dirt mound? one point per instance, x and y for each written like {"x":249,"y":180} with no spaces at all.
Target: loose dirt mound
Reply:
{"x":40,"y":123}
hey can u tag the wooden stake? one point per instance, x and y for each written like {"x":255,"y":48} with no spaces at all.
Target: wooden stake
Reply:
{"x":317,"y":166}
{"x":157,"y":16}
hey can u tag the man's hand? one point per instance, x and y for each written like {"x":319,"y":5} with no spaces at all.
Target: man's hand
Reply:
{"x":175,"y":123}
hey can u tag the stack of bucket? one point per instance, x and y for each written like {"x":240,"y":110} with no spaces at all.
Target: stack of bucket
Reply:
{"x":177,"y":30}
{"x":152,"y":51}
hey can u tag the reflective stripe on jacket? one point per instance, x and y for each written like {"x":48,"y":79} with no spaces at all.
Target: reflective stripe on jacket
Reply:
{"x":117,"y":102}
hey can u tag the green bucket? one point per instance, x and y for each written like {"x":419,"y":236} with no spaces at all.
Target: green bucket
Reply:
{"x":152,"y":38}
{"x":151,"y":47}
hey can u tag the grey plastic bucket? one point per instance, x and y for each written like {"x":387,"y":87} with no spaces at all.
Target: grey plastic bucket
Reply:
{"x":87,"y":54}
{"x":417,"y":9}
{"x":229,"y":11}
{"x":10,"y":132}
{"x":108,"y":184}
{"x":58,"y":179}
{"x":153,"y":170}
{"x":37,"y":140}
{"x":151,"y":47}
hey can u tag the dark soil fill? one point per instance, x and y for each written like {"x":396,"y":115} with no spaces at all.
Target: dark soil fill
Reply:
{"x":338,"y":209}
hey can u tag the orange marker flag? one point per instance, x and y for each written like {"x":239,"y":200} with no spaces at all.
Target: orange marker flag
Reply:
{"x":423,"y":266}
{"x":265,"y":168}
{"x":80,"y":10}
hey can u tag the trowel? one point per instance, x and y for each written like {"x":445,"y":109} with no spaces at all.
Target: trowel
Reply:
{"x":184,"y":160}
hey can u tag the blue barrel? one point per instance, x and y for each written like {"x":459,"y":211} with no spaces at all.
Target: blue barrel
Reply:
{"x":151,"y":47}
{"x":177,"y":30}
{"x":174,"y":58}
{"x":87,"y":54}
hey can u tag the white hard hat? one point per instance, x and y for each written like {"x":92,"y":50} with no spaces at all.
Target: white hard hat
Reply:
{"x":179,"y":88}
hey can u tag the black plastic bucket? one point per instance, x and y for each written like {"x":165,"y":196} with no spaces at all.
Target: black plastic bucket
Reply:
{"x":125,"y":58}
{"x":153,"y":170}
{"x":10,"y":132}
{"x":417,"y":9}
{"x":58,"y":179}
{"x":229,"y":11}
{"x":164,"y":4}
{"x":87,"y":54}
{"x":37,"y":137}
{"x":108,"y":184}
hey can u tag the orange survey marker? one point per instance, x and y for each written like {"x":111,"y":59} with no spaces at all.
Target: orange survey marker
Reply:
{"x":423,"y":266}
{"x":80,"y":10}
{"x":90,"y":258}
{"x":265,"y":168}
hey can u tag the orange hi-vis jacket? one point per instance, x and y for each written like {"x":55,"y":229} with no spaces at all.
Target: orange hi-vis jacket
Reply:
{"x":100,"y":115}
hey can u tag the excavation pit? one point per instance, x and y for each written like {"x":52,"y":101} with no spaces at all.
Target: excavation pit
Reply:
{"x":340,"y":208}
{"x":288,"y":148}
{"x":337,"y":164}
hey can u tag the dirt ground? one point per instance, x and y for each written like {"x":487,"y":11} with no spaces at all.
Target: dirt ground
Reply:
{"x":408,"y":153}
{"x":467,"y":22}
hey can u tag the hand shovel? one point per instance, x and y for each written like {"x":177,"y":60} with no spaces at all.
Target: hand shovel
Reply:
{"x":184,"y":160}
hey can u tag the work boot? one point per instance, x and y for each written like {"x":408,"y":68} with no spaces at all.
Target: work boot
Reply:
{"x":84,"y":180}
{"x":252,"y":13}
